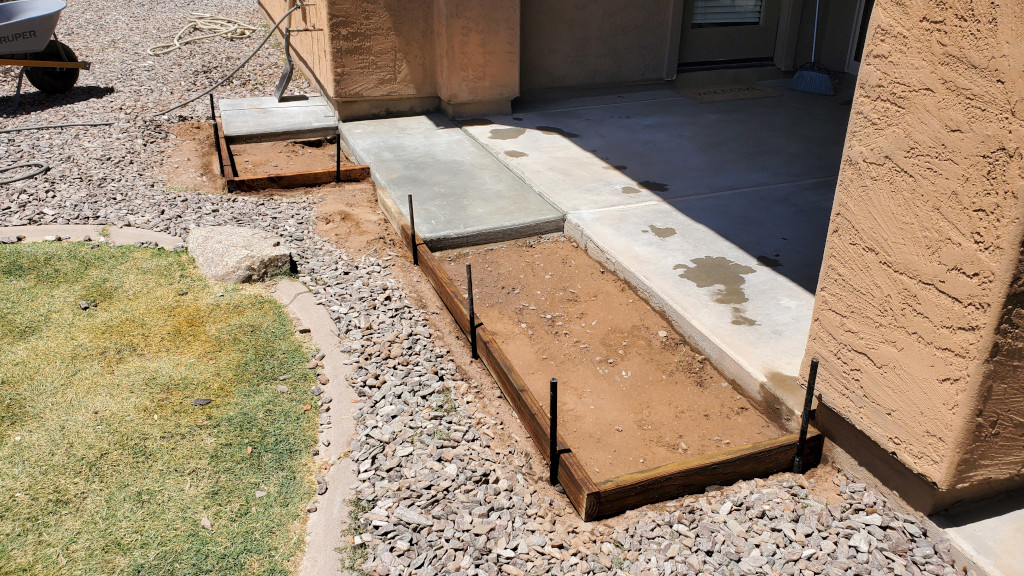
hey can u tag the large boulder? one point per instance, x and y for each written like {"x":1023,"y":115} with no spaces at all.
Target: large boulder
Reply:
{"x":235,"y":254}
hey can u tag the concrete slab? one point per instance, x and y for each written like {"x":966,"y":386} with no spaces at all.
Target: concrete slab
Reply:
{"x":324,"y":537}
{"x":583,"y":158}
{"x":463,"y":195}
{"x":247,"y":120}
{"x":782,"y":226}
{"x":749,"y":320}
{"x":988,"y":534}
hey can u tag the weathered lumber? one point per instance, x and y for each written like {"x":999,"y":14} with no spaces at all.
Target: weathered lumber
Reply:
{"x":297,"y":179}
{"x":693,"y":475}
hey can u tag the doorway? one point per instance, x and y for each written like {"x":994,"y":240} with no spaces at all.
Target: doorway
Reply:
{"x":728,"y":32}
{"x":860,"y":36}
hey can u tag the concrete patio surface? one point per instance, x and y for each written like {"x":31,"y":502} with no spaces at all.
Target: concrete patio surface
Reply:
{"x":463,"y":196}
{"x":989,"y":533}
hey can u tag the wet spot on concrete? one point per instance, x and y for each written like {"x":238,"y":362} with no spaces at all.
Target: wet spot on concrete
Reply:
{"x":475,"y":122}
{"x":557,"y":131}
{"x":507,"y":133}
{"x":662,"y":232}
{"x":654,"y":186}
{"x":718,"y":271}
{"x":515,"y":154}
{"x":739,"y":319}
{"x":769,"y":261}
{"x":630,"y":190}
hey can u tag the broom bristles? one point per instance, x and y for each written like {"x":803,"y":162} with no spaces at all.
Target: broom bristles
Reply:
{"x":812,"y":82}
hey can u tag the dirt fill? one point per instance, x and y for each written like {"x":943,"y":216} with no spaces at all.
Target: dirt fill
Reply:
{"x":632,"y":394}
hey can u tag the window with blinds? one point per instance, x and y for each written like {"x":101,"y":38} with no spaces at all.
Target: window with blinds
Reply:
{"x":726,"y":12}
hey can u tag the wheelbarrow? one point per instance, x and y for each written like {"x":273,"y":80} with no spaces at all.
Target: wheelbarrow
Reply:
{"x":28,"y":39}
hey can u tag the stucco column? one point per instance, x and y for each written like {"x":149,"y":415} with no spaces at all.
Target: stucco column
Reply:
{"x":918,"y":316}
{"x":477,"y":43}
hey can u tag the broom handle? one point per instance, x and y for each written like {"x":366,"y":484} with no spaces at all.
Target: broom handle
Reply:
{"x":814,"y":40}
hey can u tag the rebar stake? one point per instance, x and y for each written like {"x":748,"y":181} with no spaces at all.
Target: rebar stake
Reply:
{"x":412,"y":228}
{"x":216,"y":144}
{"x":337,"y":159}
{"x":805,"y":418}
{"x":553,"y":435}
{"x":472,"y":313}
{"x":231,"y":156}
{"x":213,"y":109}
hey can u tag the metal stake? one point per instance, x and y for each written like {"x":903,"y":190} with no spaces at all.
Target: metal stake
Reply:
{"x":337,"y":159}
{"x":216,"y":144}
{"x":412,"y":228}
{"x":472,"y":314}
{"x":213,"y":109}
{"x":231,"y":157}
{"x":805,"y":418}
{"x":553,"y":435}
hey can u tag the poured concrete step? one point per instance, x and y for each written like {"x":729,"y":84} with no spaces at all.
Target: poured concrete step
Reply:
{"x":248,"y":120}
{"x":463,"y":195}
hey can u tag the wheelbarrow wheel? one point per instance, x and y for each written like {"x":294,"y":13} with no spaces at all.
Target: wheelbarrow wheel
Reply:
{"x":53,"y":80}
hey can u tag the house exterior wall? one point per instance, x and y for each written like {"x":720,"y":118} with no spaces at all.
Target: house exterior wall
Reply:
{"x":595,"y":42}
{"x":917,"y":316}
{"x":312,"y":50}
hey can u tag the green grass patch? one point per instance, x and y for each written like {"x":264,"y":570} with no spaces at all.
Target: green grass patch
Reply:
{"x":106,"y":467}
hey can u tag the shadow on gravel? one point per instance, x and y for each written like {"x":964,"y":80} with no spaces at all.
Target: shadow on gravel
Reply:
{"x":34,"y":101}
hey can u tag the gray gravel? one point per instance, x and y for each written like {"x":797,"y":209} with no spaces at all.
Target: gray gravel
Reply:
{"x":441,"y":498}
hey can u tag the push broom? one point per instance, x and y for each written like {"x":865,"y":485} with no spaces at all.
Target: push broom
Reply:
{"x":813,"y":77}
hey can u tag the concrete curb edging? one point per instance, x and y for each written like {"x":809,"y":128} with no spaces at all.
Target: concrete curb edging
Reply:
{"x":78,"y":233}
{"x":324,"y":531}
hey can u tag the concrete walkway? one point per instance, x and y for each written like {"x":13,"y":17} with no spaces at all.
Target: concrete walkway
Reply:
{"x":463,"y":196}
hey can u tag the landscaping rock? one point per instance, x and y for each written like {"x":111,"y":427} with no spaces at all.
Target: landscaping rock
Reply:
{"x":237,"y":254}
{"x":201,"y":401}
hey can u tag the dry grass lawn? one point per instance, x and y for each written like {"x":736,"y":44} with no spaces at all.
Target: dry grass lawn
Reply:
{"x":106,"y":466}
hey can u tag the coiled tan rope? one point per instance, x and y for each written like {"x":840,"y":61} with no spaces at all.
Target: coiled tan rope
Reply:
{"x":215,"y":26}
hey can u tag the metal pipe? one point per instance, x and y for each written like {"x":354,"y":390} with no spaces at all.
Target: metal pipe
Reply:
{"x":472,"y":313}
{"x":805,"y":418}
{"x":412,"y":228}
{"x":553,"y":435}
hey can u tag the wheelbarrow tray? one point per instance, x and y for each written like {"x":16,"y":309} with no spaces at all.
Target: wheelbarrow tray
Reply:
{"x":26,"y":26}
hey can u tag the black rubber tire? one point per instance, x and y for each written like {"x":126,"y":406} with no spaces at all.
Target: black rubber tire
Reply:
{"x":53,"y":80}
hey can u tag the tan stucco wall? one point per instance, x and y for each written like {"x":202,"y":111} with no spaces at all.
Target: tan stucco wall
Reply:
{"x":925,"y":242}
{"x":594,"y":42}
{"x":477,"y":50}
{"x":311,"y":49}
{"x":383,"y":48}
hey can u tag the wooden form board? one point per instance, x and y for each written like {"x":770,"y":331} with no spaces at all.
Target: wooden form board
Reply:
{"x":311,"y":48}
{"x":617,"y":495}
{"x":284,"y":180}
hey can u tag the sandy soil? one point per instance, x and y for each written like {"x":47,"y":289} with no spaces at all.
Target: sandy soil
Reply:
{"x":192,"y":164}
{"x":632,"y":394}
{"x":283,"y":157}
